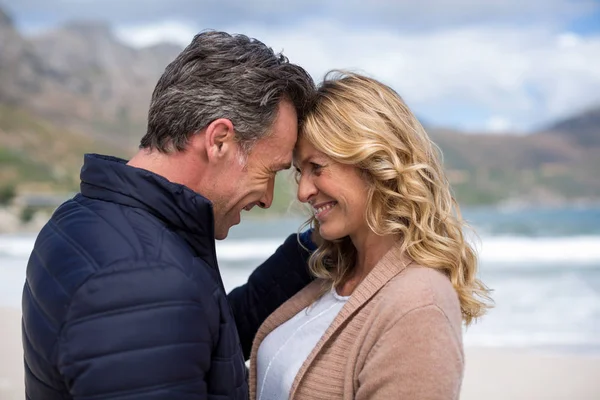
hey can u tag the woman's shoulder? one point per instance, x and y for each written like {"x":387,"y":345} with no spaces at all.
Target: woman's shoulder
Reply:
{"x":419,"y":287}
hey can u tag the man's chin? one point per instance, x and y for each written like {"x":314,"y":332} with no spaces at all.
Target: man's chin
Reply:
{"x":222,"y":232}
{"x":221,"y":235}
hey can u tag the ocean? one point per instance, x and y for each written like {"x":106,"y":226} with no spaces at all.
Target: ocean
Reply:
{"x":542,"y":264}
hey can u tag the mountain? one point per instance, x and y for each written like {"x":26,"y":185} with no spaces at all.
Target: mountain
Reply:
{"x":68,"y":91}
{"x":531,"y":169}
{"x":77,"y":89}
{"x":20,"y":65}
{"x":582,"y":129}
{"x":80,"y":75}
{"x":37,"y":155}
{"x":106,"y":83}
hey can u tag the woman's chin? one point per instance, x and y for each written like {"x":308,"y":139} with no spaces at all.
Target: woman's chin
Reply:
{"x":330,"y":235}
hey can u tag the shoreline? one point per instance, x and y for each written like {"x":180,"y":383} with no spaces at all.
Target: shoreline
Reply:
{"x":10,"y":222}
{"x":490,"y":373}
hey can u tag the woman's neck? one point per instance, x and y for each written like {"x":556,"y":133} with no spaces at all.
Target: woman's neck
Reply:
{"x":370,"y":248}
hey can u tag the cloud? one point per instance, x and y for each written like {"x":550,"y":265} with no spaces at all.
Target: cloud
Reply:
{"x":528,"y":76}
{"x":466,"y":63}
{"x":498,"y":124}
{"x":165,"y":31}
{"x":397,"y":15}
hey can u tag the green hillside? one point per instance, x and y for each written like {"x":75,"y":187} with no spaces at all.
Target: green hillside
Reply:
{"x":37,"y":155}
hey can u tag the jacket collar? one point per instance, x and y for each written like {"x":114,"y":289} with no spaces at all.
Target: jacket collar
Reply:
{"x":180,"y":208}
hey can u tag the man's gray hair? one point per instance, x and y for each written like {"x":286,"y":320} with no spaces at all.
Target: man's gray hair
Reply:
{"x":223,"y":76}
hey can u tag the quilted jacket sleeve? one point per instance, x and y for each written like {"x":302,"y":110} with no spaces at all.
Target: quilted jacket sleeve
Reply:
{"x":275,"y":281}
{"x":138,"y":333}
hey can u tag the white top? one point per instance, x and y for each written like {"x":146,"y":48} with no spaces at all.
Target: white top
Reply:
{"x":285,"y":349}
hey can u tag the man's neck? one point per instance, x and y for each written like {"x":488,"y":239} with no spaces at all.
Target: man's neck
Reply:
{"x":177,"y":167}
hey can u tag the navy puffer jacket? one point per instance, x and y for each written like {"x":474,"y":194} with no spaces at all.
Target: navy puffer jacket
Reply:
{"x":124,"y":300}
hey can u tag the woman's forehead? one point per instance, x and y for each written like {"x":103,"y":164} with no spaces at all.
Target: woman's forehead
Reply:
{"x":304,"y":150}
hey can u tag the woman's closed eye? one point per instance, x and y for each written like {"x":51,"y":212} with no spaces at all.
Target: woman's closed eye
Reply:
{"x":313,"y":168}
{"x":316,"y":168}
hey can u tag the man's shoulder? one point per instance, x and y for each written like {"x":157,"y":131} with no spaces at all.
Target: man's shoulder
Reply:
{"x":86,"y":238}
{"x":100,"y":232}
{"x":87,"y":248}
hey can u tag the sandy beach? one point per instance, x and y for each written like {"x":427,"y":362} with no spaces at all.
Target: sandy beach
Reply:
{"x":11,"y":358}
{"x":495,"y":374}
{"x":491,"y":374}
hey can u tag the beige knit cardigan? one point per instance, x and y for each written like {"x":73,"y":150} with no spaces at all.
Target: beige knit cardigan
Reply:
{"x":399,"y":336}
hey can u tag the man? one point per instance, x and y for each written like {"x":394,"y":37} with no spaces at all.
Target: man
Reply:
{"x":123,"y":298}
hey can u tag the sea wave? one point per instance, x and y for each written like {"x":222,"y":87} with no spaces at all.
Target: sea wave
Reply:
{"x":588,"y":340}
{"x":16,"y":246}
{"x":536,"y":309}
{"x":494,"y":250}
{"x":517,"y":250}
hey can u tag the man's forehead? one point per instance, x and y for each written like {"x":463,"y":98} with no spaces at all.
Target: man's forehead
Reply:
{"x":302,"y":151}
{"x":299,"y":159}
{"x":274,"y":160}
{"x":279,"y":142}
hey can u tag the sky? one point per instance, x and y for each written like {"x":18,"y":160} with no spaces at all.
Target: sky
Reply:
{"x":481,"y":66}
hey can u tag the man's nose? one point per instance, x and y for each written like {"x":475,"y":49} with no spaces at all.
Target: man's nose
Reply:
{"x":267,"y":200}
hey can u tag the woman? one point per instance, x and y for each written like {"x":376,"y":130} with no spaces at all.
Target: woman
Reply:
{"x":396,"y":277}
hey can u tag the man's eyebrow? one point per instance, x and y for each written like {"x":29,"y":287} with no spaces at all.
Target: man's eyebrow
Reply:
{"x":282,"y":166}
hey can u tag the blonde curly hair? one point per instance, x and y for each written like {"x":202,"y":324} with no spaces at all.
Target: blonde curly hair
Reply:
{"x":359,"y":121}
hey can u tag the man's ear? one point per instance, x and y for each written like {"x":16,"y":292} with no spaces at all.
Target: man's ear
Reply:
{"x":219,"y":140}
